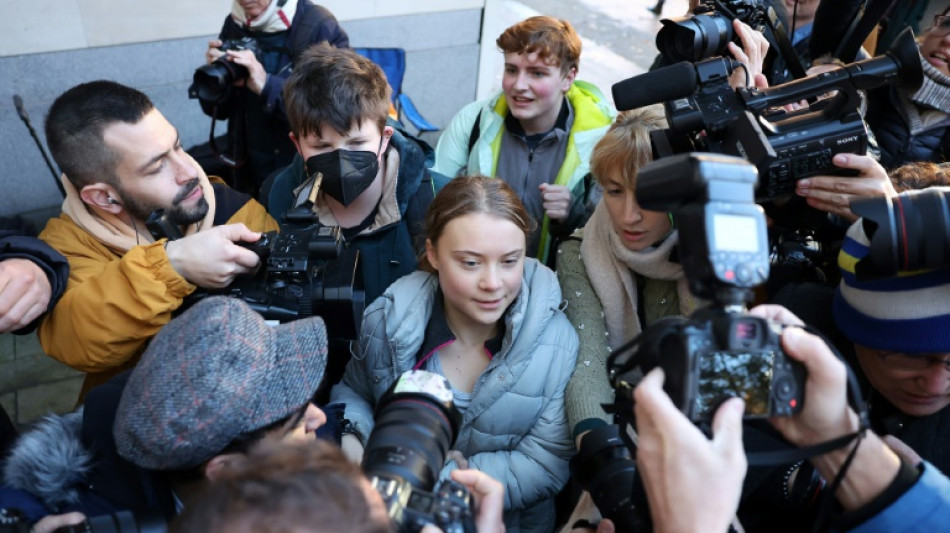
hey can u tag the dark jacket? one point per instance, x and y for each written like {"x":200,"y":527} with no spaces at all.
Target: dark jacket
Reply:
{"x":260,"y":120}
{"x":70,"y":463}
{"x":14,"y":244}
{"x":390,"y":251}
{"x":898,"y":146}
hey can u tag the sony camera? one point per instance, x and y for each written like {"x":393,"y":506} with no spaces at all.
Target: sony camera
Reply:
{"x":212,"y":82}
{"x":13,"y":521}
{"x":720,"y":351}
{"x":910,"y":231}
{"x":706,"y":115}
{"x":305,"y":271}
{"x":415,"y":425}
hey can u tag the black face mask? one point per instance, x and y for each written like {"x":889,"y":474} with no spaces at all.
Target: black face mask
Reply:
{"x":346,"y":173}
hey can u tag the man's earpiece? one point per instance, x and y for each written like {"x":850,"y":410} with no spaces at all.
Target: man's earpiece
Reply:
{"x":112,"y":201}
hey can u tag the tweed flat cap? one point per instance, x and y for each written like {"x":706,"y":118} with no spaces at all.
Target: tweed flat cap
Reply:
{"x":212,"y":374}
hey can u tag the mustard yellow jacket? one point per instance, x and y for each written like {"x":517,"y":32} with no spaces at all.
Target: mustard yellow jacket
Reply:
{"x":113,"y":303}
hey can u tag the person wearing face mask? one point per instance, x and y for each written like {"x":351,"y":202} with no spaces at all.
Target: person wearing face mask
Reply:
{"x":254,"y":107}
{"x":370,"y":176}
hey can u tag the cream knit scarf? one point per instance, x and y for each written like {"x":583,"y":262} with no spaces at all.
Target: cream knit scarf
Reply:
{"x":610,"y":267}
{"x":272,"y":20}
{"x":930,"y":104}
{"x":115,"y":231}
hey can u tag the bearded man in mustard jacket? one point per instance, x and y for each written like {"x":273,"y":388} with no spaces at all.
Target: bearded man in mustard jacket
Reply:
{"x":121,"y":159}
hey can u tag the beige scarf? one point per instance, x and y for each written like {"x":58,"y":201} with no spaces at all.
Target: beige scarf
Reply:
{"x":928,"y":106}
{"x":115,"y":231}
{"x":272,"y":20}
{"x":610,"y":266}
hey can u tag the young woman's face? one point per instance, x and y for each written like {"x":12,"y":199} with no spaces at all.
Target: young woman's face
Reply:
{"x":480,"y":262}
{"x":637,"y":228}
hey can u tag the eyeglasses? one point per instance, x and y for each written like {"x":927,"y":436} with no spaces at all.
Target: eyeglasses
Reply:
{"x":941,"y":25}
{"x":913,"y":362}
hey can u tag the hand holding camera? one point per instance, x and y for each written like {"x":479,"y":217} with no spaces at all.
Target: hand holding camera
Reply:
{"x":834,"y":194}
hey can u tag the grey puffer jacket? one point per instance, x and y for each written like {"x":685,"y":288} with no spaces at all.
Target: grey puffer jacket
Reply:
{"x":515,"y":429}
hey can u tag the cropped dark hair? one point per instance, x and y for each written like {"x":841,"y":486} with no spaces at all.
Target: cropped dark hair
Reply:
{"x":75,"y":125}
{"x":466,"y":195}
{"x":284,"y":487}
{"x":335,"y":87}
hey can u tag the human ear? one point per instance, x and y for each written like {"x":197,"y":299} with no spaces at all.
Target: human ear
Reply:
{"x":387,"y":136}
{"x":569,"y":79}
{"x":101,"y":196}
{"x":430,"y":254}
{"x":293,"y":139}
{"x":220,"y":464}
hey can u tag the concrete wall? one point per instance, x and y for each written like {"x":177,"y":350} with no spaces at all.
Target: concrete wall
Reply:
{"x":47,"y":46}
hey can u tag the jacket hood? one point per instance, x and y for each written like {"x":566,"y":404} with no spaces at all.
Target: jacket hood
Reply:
{"x":50,"y":461}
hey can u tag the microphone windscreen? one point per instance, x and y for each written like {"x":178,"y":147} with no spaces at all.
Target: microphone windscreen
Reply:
{"x":660,"y":85}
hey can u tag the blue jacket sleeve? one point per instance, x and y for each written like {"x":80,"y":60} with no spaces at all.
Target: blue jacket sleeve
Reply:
{"x":15,"y":245}
{"x":924,"y":508}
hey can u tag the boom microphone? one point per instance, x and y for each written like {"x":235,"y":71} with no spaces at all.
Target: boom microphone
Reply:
{"x":667,"y":83}
{"x":20,"y":110}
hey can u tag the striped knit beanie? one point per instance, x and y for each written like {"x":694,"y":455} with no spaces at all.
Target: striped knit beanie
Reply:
{"x":908,"y":313}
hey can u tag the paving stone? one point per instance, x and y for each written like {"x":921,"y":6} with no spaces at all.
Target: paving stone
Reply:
{"x":7,"y":351}
{"x":31,"y":371}
{"x":59,"y":397}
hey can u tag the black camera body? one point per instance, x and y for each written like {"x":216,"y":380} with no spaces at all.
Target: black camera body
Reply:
{"x":716,"y":355}
{"x":720,"y":351}
{"x":212,"y":82}
{"x":706,"y":115}
{"x":415,"y":425}
{"x":305,"y":270}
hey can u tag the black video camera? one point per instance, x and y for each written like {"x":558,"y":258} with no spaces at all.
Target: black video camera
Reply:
{"x":415,"y":425}
{"x":910,"y":231}
{"x":13,"y":521}
{"x":720,"y":351}
{"x":706,"y":115}
{"x":211,"y":83}
{"x":305,"y":270}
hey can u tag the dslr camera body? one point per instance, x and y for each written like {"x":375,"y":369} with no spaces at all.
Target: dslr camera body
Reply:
{"x":212,"y":82}
{"x":305,"y":270}
{"x":415,"y":425}
{"x":720,"y":351}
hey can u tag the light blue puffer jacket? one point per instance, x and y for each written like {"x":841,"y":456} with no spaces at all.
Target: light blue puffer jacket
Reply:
{"x":516,"y":428}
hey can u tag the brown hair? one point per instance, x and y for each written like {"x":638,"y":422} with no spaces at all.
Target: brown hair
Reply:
{"x":626,"y":147}
{"x":919,"y":175}
{"x":285,"y":487}
{"x":553,"y":39}
{"x":468,"y":195}
{"x":336,"y":87}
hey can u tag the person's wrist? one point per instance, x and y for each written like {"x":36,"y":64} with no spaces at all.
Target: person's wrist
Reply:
{"x":872,"y":470}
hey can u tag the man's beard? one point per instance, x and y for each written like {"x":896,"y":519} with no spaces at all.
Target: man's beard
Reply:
{"x":176,"y":213}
